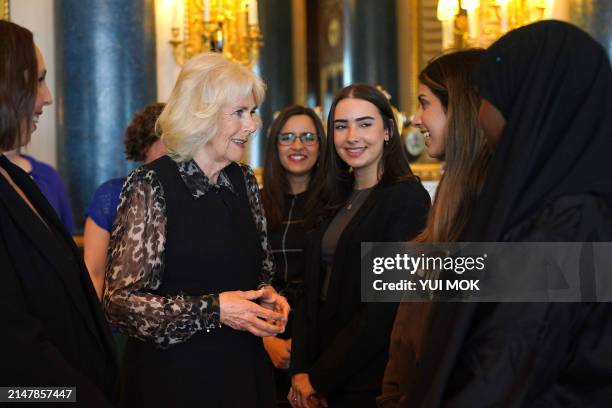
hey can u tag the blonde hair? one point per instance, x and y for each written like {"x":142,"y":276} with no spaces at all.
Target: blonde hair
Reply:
{"x":205,"y":84}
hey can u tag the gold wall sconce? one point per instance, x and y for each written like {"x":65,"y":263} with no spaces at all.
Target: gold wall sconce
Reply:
{"x":478,"y":23}
{"x":227,"y":26}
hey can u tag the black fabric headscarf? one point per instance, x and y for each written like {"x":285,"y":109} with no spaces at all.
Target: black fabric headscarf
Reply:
{"x":552,"y":83}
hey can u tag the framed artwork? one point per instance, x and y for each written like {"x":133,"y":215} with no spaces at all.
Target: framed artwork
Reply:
{"x":4,"y":9}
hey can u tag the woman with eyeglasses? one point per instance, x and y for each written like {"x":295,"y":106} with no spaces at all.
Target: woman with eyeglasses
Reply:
{"x":367,"y":194}
{"x":295,"y":139}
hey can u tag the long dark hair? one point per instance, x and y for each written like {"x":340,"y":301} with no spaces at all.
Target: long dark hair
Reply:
{"x":275,"y":181}
{"x":332,"y":190}
{"x":450,"y":77}
{"x":18,"y":84}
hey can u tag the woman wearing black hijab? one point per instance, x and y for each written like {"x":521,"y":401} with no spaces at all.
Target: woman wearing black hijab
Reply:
{"x":547,"y":110}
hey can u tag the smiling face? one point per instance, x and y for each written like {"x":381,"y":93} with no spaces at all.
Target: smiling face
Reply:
{"x":359,"y":136}
{"x":298,"y":159}
{"x":237,"y":121}
{"x":431,"y":119}
{"x":43,"y":95}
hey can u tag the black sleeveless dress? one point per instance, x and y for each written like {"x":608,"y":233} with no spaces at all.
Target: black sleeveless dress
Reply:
{"x":212,"y":246}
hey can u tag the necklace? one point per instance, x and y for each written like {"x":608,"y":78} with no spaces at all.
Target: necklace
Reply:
{"x":352,"y":199}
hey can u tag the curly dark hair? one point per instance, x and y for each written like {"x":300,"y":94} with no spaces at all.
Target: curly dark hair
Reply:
{"x":142,"y":132}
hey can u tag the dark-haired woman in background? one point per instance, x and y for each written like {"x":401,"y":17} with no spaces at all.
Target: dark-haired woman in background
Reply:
{"x":142,"y":143}
{"x":367,"y":194}
{"x":295,"y":139}
{"x":547,"y":112}
{"x":53,"y":331}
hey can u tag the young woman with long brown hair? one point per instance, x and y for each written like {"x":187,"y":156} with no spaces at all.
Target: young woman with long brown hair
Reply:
{"x":446,"y":95}
{"x":448,"y":117}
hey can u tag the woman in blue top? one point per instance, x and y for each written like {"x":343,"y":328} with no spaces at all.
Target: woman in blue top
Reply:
{"x":49,"y":182}
{"x":142,"y":143}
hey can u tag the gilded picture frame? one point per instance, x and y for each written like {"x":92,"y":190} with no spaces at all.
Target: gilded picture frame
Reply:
{"x":4,"y":10}
{"x":418,"y":43}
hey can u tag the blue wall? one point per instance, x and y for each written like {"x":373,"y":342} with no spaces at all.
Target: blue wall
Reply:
{"x":106,"y":73}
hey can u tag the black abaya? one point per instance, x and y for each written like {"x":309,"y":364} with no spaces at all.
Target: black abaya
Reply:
{"x":550,"y":180}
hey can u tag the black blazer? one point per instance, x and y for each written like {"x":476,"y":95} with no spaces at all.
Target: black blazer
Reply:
{"x":53,"y":329}
{"x":343,"y":344}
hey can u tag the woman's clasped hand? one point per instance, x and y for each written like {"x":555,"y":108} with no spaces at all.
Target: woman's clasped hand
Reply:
{"x":240,"y":312}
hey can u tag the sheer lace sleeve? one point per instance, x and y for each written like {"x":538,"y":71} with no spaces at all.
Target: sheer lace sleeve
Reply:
{"x":135,"y":268}
{"x":254,"y":196}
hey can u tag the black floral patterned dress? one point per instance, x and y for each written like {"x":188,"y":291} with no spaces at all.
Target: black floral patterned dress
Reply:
{"x":177,"y":242}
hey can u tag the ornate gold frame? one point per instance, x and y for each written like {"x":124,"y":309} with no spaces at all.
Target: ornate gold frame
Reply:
{"x":416,"y":17}
{"x":4,"y":10}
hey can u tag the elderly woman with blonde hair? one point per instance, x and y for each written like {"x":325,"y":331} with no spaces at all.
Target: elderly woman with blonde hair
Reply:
{"x":189,"y":269}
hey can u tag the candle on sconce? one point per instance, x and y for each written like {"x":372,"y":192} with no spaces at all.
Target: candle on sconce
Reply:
{"x":471,"y":7}
{"x":253,"y":16}
{"x":206,"y":10}
{"x":448,"y":34}
{"x":558,"y":10}
{"x":241,"y":20}
{"x":175,"y":14}
{"x":503,"y":15}
{"x":473,"y":27}
{"x":177,"y":26}
{"x":446,"y":12}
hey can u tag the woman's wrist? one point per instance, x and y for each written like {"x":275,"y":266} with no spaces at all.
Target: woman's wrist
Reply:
{"x":211,"y":312}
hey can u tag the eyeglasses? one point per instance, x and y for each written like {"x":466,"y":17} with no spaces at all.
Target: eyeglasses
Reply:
{"x":307,"y":138}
